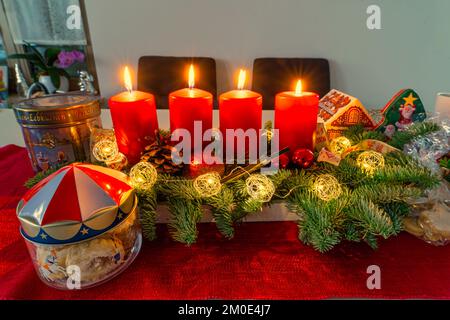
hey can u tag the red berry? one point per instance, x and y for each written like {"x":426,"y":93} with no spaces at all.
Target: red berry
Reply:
{"x":303,"y":158}
{"x":283,"y":160}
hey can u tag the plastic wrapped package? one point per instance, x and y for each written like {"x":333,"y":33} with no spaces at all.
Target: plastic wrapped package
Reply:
{"x":431,"y":147}
{"x":430,"y":219}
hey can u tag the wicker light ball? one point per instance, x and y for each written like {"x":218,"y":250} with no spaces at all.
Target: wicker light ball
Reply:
{"x":259,"y":187}
{"x":327,"y":187}
{"x":143,"y":175}
{"x":370,"y":161}
{"x":118,"y":163}
{"x":339,"y":145}
{"x":208,"y":184}
{"x":105,"y":150}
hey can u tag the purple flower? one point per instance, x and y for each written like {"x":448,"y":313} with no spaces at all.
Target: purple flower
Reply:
{"x":78,"y":56}
{"x":67,"y":58}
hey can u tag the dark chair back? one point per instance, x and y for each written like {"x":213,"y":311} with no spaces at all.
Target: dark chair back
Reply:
{"x":160,"y":75}
{"x":274,"y":75}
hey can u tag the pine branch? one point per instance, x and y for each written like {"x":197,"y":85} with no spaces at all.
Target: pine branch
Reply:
{"x":374,"y":135}
{"x":320,"y":222}
{"x":177,"y":187}
{"x":371,"y":240}
{"x":347,"y":172}
{"x":280,"y":177}
{"x":370,"y":206}
{"x":148,"y":204}
{"x":419,"y":176}
{"x":396,"y":211}
{"x":239,"y":189}
{"x":399,"y":209}
{"x":416,"y":130}
{"x":222,"y":206}
{"x":244,"y":204}
{"x":400,"y":159}
{"x":246,"y":207}
{"x":299,"y":180}
{"x":386,"y":192}
{"x":370,"y":217}
{"x":30,"y":183}
{"x":185,"y":216}
{"x":354,"y":133}
{"x":357,"y":133}
{"x":351,"y":233}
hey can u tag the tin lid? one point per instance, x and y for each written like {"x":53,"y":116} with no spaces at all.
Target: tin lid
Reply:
{"x":76,"y":203}
{"x":57,"y":109}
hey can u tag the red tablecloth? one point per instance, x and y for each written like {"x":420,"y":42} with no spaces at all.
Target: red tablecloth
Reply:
{"x":264,"y":260}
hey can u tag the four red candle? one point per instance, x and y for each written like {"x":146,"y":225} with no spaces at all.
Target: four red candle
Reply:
{"x":240,"y":109}
{"x":134,"y":118}
{"x":189,"y":105}
{"x":296,"y":118}
{"x":135,"y":121}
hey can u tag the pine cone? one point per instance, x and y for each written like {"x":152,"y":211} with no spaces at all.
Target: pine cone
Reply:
{"x":159,"y":154}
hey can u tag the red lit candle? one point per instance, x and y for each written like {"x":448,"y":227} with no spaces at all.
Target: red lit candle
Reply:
{"x":240,"y":109}
{"x":296,"y":118}
{"x":189,"y":105}
{"x":134,"y":119}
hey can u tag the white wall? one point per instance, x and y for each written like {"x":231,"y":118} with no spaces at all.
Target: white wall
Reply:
{"x":411,"y":50}
{"x":11,"y":132}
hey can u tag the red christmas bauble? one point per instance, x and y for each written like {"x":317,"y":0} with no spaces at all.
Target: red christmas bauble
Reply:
{"x":281,"y":162}
{"x":303,"y":158}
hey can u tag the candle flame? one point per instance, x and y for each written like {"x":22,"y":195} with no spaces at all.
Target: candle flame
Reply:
{"x":127,"y":79}
{"x":298,"y":88}
{"x":191,"y":79}
{"x":241,"y":79}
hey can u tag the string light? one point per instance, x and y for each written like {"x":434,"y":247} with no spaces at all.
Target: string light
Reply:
{"x":339,"y":145}
{"x":118,"y":163}
{"x":259,"y":187}
{"x":370,"y":161}
{"x":105,"y":150}
{"x":208,"y":184}
{"x":327,"y":187}
{"x":143,"y":175}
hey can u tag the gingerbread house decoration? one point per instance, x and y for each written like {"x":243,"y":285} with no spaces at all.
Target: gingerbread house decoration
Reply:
{"x":338,"y":111}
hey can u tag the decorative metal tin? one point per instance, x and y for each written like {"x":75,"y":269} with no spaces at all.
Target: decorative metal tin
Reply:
{"x":76,"y":203}
{"x":83,"y":217}
{"x":57,"y":128}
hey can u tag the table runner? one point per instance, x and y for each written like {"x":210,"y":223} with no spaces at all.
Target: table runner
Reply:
{"x":263,"y":261}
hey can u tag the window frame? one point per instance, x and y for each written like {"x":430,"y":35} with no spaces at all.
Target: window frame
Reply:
{"x":12,"y":48}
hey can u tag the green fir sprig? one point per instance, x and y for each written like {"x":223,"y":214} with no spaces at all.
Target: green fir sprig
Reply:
{"x":41,"y":176}
{"x":370,"y":206}
{"x":148,"y":204}
{"x":416,"y":130}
